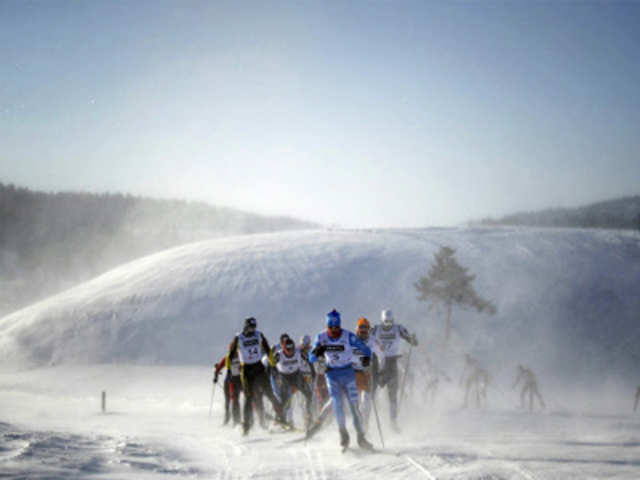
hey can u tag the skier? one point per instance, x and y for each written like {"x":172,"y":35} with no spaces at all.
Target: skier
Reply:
{"x":251,"y":345}
{"x":529,"y":385}
{"x":272,"y":373}
{"x":306,"y":368}
{"x":336,"y":346}
{"x":432,"y":375}
{"x":232,"y":387}
{"x":364,"y":376}
{"x":388,"y":334}
{"x":308,"y":373}
{"x":288,"y":362}
{"x":635,"y":404}
{"x":475,"y":378}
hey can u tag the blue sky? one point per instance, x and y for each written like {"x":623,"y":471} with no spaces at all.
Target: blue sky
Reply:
{"x":369,"y":113}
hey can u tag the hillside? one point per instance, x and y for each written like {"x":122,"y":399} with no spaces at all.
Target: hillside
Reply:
{"x":620,"y":213}
{"x":51,"y":241}
{"x":567,"y":300}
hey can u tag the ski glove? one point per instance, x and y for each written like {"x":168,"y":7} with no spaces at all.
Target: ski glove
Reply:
{"x":366,"y":361}
{"x":414,"y":340}
{"x":319,"y":350}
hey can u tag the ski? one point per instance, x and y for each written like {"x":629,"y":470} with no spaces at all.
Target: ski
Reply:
{"x":361,"y":452}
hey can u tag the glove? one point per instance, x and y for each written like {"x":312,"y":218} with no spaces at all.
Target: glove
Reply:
{"x":414,"y":340}
{"x":215,"y":378}
{"x":366,"y":361}
{"x":319,"y":350}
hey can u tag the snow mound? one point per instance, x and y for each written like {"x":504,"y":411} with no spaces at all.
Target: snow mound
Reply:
{"x":566,"y":299}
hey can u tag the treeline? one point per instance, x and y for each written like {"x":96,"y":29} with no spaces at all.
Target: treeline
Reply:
{"x":51,"y":241}
{"x":622,"y":213}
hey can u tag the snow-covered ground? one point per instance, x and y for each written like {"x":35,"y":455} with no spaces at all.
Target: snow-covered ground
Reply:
{"x":148,"y":332}
{"x":157,"y":426}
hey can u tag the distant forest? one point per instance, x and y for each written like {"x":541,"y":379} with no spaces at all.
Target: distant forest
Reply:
{"x":621,"y":213}
{"x":51,"y":241}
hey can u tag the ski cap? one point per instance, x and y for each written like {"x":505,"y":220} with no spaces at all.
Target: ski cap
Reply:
{"x":333,"y":319}
{"x":288,"y":346}
{"x":387,"y":318}
{"x":250,"y":323}
{"x":363,"y":322}
{"x":305,"y":341}
{"x":362,"y":328}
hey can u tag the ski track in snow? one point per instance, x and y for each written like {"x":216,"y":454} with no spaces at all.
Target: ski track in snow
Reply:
{"x":221,"y":453}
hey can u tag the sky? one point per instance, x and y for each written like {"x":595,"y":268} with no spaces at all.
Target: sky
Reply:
{"x":351,"y":113}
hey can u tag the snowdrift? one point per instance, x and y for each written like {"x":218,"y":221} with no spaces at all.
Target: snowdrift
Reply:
{"x":567,"y":300}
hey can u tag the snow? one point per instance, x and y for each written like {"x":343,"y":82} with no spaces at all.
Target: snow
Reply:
{"x":157,"y":426}
{"x":148,"y":333}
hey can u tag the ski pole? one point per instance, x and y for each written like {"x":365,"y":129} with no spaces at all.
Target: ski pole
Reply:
{"x":213,"y":392}
{"x":375,"y":410}
{"x":404,"y":377}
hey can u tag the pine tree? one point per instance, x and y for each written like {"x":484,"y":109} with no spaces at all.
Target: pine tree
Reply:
{"x":448,"y":284}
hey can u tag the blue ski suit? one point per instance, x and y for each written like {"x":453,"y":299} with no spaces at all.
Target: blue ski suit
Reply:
{"x":340,"y":376}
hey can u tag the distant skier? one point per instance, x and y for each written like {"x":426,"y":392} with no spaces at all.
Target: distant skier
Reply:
{"x":251,"y":345}
{"x":432,"y":375}
{"x":475,"y":379}
{"x":232,"y":387}
{"x":336,"y":346}
{"x":364,"y":375}
{"x":388,"y":334}
{"x":288,"y":362}
{"x":529,"y":385}
{"x":635,"y":404}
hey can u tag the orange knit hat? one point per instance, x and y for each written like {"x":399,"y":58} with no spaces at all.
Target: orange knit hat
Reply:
{"x":363,"y":321}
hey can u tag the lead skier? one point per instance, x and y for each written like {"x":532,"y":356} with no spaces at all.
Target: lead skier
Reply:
{"x":336,"y":346}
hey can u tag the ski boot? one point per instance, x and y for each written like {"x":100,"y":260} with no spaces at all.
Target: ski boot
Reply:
{"x":226,"y":418}
{"x":364,"y":443}
{"x":344,"y":439}
{"x":246,"y":426}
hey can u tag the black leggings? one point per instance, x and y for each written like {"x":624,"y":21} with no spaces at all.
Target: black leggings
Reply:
{"x":255,"y":383}
{"x":391,"y":381}
{"x":232,"y":388}
{"x":287,"y":384}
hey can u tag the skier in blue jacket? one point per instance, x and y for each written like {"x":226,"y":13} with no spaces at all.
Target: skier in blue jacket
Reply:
{"x":337,"y":345}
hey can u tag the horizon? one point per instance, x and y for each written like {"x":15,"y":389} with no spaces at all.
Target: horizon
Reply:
{"x":309,"y":220}
{"x":363,"y":115}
